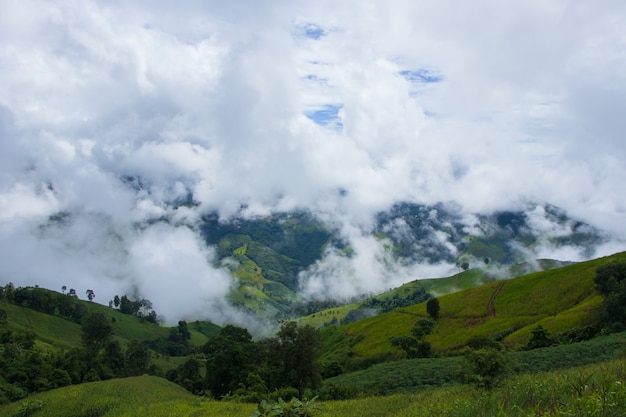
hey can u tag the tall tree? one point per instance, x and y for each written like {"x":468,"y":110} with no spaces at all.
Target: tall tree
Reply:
{"x":610,"y":281}
{"x":433,"y":308}
{"x":229,"y":358}
{"x":137,"y":358}
{"x":97,"y":331}
{"x":298,"y":350}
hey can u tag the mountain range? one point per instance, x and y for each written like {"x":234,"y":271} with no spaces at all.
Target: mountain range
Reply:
{"x":269,"y":256}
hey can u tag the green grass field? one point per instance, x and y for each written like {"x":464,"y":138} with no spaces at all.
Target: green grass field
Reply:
{"x":65,"y":333}
{"x":596,"y":390}
{"x":558,"y":299}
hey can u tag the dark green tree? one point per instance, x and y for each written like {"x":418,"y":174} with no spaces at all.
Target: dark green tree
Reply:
{"x":485,"y":367}
{"x":113,"y":357}
{"x":137,"y":358}
{"x":183,"y":330}
{"x":540,"y":338}
{"x":416,"y":346}
{"x":298,"y":350}
{"x":610,"y":282}
{"x":433,"y":308}
{"x":96,"y":331}
{"x":422,"y":328}
{"x":229,"y":358}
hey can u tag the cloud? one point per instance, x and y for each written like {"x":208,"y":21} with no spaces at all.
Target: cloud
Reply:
{"x":119,"y":111}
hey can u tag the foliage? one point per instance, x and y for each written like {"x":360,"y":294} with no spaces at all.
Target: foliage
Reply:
{"x":281,"y":408}
{"x":540,"y":338}
{"x":610,"y":281}
{"x":294,"y":354}
{"x":485,"y":367}
{"x":417,"y":374}
{"x":229,"y":359}
{"x":96,"y":331}
{"x":416,"y":346}
{"x":433,"y":308}
{"x":399,"y":299}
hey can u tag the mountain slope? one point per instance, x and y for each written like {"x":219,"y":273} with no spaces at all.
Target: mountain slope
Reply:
{"x":267,"y":254}
{"x":558,"y":299}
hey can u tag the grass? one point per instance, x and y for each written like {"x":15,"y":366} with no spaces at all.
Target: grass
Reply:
{"x":65,"y":334}
{"x":418,"y":374}
{"x":597,"y":390}
{"x":558,"y":299}
{"x":145,"y":395}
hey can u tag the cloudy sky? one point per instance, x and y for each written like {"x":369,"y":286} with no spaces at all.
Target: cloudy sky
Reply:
{"x":342,"y":107}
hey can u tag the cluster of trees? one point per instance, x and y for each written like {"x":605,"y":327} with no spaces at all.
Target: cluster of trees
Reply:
{"x":384,"y":305}
{"x":65,"y":304}
{"x":238,"y":368}
{"x":46,"y":301}
{"x":610,"y":282}
{"x":27,"y":368}
{"x":140,"y":308}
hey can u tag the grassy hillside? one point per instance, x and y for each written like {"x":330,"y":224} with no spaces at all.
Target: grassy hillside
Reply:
{"x":588,"y":390}
{"x":558,"y":299}
{"x":438,"y":287}
{"x":127,"y":397}
{"x":65,"y":333}
{"x":418,"y":374}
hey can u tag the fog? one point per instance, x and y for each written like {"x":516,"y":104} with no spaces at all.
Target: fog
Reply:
{"x":112,"y":114}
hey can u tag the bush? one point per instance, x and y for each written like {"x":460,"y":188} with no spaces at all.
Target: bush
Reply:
{"x":485,"y":367}
{"x":293,"y":408}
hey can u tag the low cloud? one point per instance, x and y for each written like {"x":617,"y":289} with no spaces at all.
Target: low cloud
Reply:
{"x":114,"y":114}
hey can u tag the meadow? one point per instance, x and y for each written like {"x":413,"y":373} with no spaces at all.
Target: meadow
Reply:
{"x":592,"y":390}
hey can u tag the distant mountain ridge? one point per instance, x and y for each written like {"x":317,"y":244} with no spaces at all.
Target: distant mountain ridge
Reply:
{"x":266,"y":254}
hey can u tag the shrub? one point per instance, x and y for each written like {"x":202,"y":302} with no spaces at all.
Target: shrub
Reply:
{"x":293,"y":408}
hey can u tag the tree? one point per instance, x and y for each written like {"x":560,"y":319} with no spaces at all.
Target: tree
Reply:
{"x":183,"y":331}
{"x":116,"y":301}
{"x":422,"y":328}
{"x":432,"y":307}
{"x":90,"y":294}
{"x":297,"y":348}
{"x":72,"y":293}
{"x":485,"y":367}
{"x":610,"y":282}
{"x":97,"y":331}
{"x":137,"y":358}
{"x":416,"y":346}
{"x":229,"y":358}
{"x":63,"y":289}
{"x":540,"y":338}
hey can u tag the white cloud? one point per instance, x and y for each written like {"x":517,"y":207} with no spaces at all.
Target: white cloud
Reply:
{"x":211,"y":98}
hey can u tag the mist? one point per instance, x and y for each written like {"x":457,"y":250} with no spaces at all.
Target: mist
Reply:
{"x":113,"y":115}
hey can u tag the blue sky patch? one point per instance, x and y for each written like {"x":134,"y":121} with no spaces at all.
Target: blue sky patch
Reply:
{"x":313,"y":31}
{"x":422,"y":75}
{"x":327,"y":116}
{"x":309,"y":30}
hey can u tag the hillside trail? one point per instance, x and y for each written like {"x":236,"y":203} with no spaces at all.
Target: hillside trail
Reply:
{"x":490,"y":308}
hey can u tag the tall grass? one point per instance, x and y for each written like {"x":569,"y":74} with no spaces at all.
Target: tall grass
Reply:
{"x":597,"y":390}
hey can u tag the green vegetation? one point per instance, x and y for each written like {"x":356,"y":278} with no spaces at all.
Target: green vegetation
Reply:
{"x":589,"y":390}
{"x":563,"y":301}
{"x":471,"y":345}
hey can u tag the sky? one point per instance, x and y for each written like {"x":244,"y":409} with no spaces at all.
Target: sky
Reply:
{"x":117,"y":111}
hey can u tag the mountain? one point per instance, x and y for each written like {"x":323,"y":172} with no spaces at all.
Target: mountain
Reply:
{"x":267,"y":254}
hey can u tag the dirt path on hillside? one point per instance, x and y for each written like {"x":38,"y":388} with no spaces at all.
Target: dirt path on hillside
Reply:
{"x":490,"y":308}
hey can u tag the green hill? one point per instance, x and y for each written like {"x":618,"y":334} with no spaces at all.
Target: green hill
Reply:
{"x":62,"y":332}
{"x":559,"y":300}
{"x":125,"y":397}
{"x":406,"y":293}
